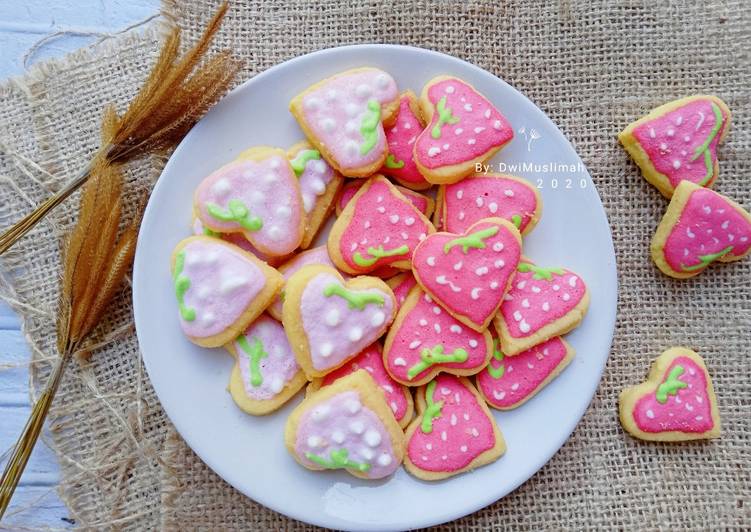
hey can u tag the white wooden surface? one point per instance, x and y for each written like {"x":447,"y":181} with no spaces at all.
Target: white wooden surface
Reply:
{"x":22,"y":24}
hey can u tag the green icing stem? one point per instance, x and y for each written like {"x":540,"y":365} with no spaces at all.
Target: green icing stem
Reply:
{"x":432,"y":410}
{"x":369,"y":126}
{"x":182,"y":283}
{"x":704,"y":148}
{"x":474,"y":240}
{"x":209,"y":232}
{"x":338,"y":459}
{"x":706,"y":260}
{"x":378,"y":253}
{"x":255,"y":353}
{"x":356,"y":300}
{"x":539,"y":271}
{"x":391,"y":162}
{"x":498,"y":372}
{"x":444,"y":117}
{"x":671,"y":385}
{"x":516,"y":220}
{"x":429,"y":357}
{"x":236,"y":212}
{"x":301,"y":160}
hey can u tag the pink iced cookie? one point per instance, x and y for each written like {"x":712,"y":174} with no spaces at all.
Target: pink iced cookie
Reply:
{"x":453,"y":432}
{"x":378,"y":227}
{"x":509,"y":382}
{"x":401,"y":139}
{"x":490,"y":195}
{"x":342,"y":117}
{"x":233,"y":238}
{"x":257,"y":195}
{"x":401,"y":285}
{"x":464,"y":129}
{"x":425,"y":340}
{"x":542,"y":303}
{"x":468,"y":274}
{"x":398,"y":397}
{"x":424,"y":204}
{"x":220,"y":289}
{"x":678,"y":142}
{"x":676,"y":403}
{"x":700,"y":226}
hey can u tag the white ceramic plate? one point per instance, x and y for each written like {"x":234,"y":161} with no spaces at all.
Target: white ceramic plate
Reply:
{"x":248,"y":452}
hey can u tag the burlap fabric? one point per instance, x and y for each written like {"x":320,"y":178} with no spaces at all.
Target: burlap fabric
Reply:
{"x":593,"y":68}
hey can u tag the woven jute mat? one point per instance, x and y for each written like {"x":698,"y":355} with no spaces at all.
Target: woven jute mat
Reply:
{"x":592,"y":67}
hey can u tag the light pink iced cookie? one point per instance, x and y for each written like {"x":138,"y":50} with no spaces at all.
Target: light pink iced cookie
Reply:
{"x":426,"y":340}
{"x":346,"y":425}
{"x":234,"y":238}
{"x":700,"y":227}
{"x":509,"y":382}
{"x":343,"y":117}
{"x":378,"y":227}
{"x":266,"y":374}
{"x":453,"y":432}
{"x":490,"y":195}
{"x":257,"y":195}
{"x":220,"y":289}
{"x":468,"y":274}
{"x":542,"y":303}
{"x":398,"y":397}
{"x":464,"y":129}
{"x":329,"y":321}
{"x":424,"y":204}
{"x":676,"y":403}
{"x":401,"y":285}
{"x":401,"y":138}
{"x":678,"y":142}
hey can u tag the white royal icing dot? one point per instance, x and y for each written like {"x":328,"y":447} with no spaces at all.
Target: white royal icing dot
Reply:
{"x":332,"y":318}
{"x":355,"y":334}
{"x":221,"y":187}
{"x":394,"y":218}
{"x":372,"y":438}
{"x":409,"y":221}
{"x":415,"y":344}
{"x":493,"y":207}
{"x":338,"y":436}
{"x":231,"y":283}
{"x":325,"y":349}
{"x":353,"y":406}
{"x":433,"y":151}
{"x":312,"y":104}
{"x":328,"y":125}
{"x":475,"y":293}
{"x":473,"y":343}
{"x":314,"y":442}
{"x":321,"y":412}
{"x":498,"y":247}
{"x":449,"y":89}
{"x":384,"y":460}
{"x":378,"y":319}
{"x":400,"y":362}
{"x":357,"y":427}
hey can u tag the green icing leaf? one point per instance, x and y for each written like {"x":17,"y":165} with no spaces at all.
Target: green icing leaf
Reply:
{"x":516,"y":220}
{"x":444,"y":117}
{"x":369,"y":126}
{"x":391,"y":162}
{"x":182,"y":283}
{"x":378,"y":253}
{"x":539,"y":271}
{"x":236,"y":212}
{"x":432,"y":410}
{"x":671,"y":385}
{"x":498,"y":372}
{"x":429,"y":357}
{"x":301,"y":160}
{"x":356,"y":300}
{"x":474,"y":240}
{"x":255,"y":353}
{"x":706,"y":260}
{"x":338,"y":459}
{"x":703,"y":149}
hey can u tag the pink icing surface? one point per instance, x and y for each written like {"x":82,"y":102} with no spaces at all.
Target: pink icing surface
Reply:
{"x":402,"y":289}
{"x":336,"y":332}
{"x":425,"y":326}
{"x":277,"y":368}
{"x":460,"y":434}
{"x":672,"y":139}
{"x":523,"y":373}
{"x":233,"y":238}
{"x":401,"y":139}
{"x":343,"y":422}
{"x":533,"y":303}
{"x":475,"y":198}
{"x":689,"y":410}
{"x":349,"y":191}
{"x":223,"y":285}
{"x":334,"y":112}
{"x":319,"y":255}
{"x":381,"y":219}
{"x":481,"y":127}
{"x":371,"y":361}
{"x":314,"y":179}
{"x":708,"y":224}
{"x":470,"y":284}
{"x":268,"y":189}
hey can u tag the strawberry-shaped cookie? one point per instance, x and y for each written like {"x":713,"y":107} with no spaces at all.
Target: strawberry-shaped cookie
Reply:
{"x":453,"y":432}
{"x":329,"y":321}
{"x":490,"y":195}
{"x":266,"y":374}
{"x":468,"y":273}
{"x":508,"y":382}
{"x":401,"y":139}
{"x":542,"y":303}
{"x":426,"y":340}
{"x":676,"y":403}
{"x":424,"y":204}
{"x":220,"y":289}
{"x":257,"y":195}
{"x":700,"y":226}
{"x":401,"y":285}
{"x":346,"y":425}
{"x":464,"y":129}
{"x":678,"y":142}
{"x":378,"y":227}
{"x":343,"y":117}
{"x":319,"y":186}
{"x":398,"y":397}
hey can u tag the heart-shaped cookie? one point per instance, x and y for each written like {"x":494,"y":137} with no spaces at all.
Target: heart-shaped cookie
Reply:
{"x":678,"y":142}
{"x":453,"y":432}
{"x":425,"y":340}
{"x":425,"y":204}
{"x":700,"y":227}
{"x":676,"y":403}
{"x":468,"y":274}
{"x":329,"y":321}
